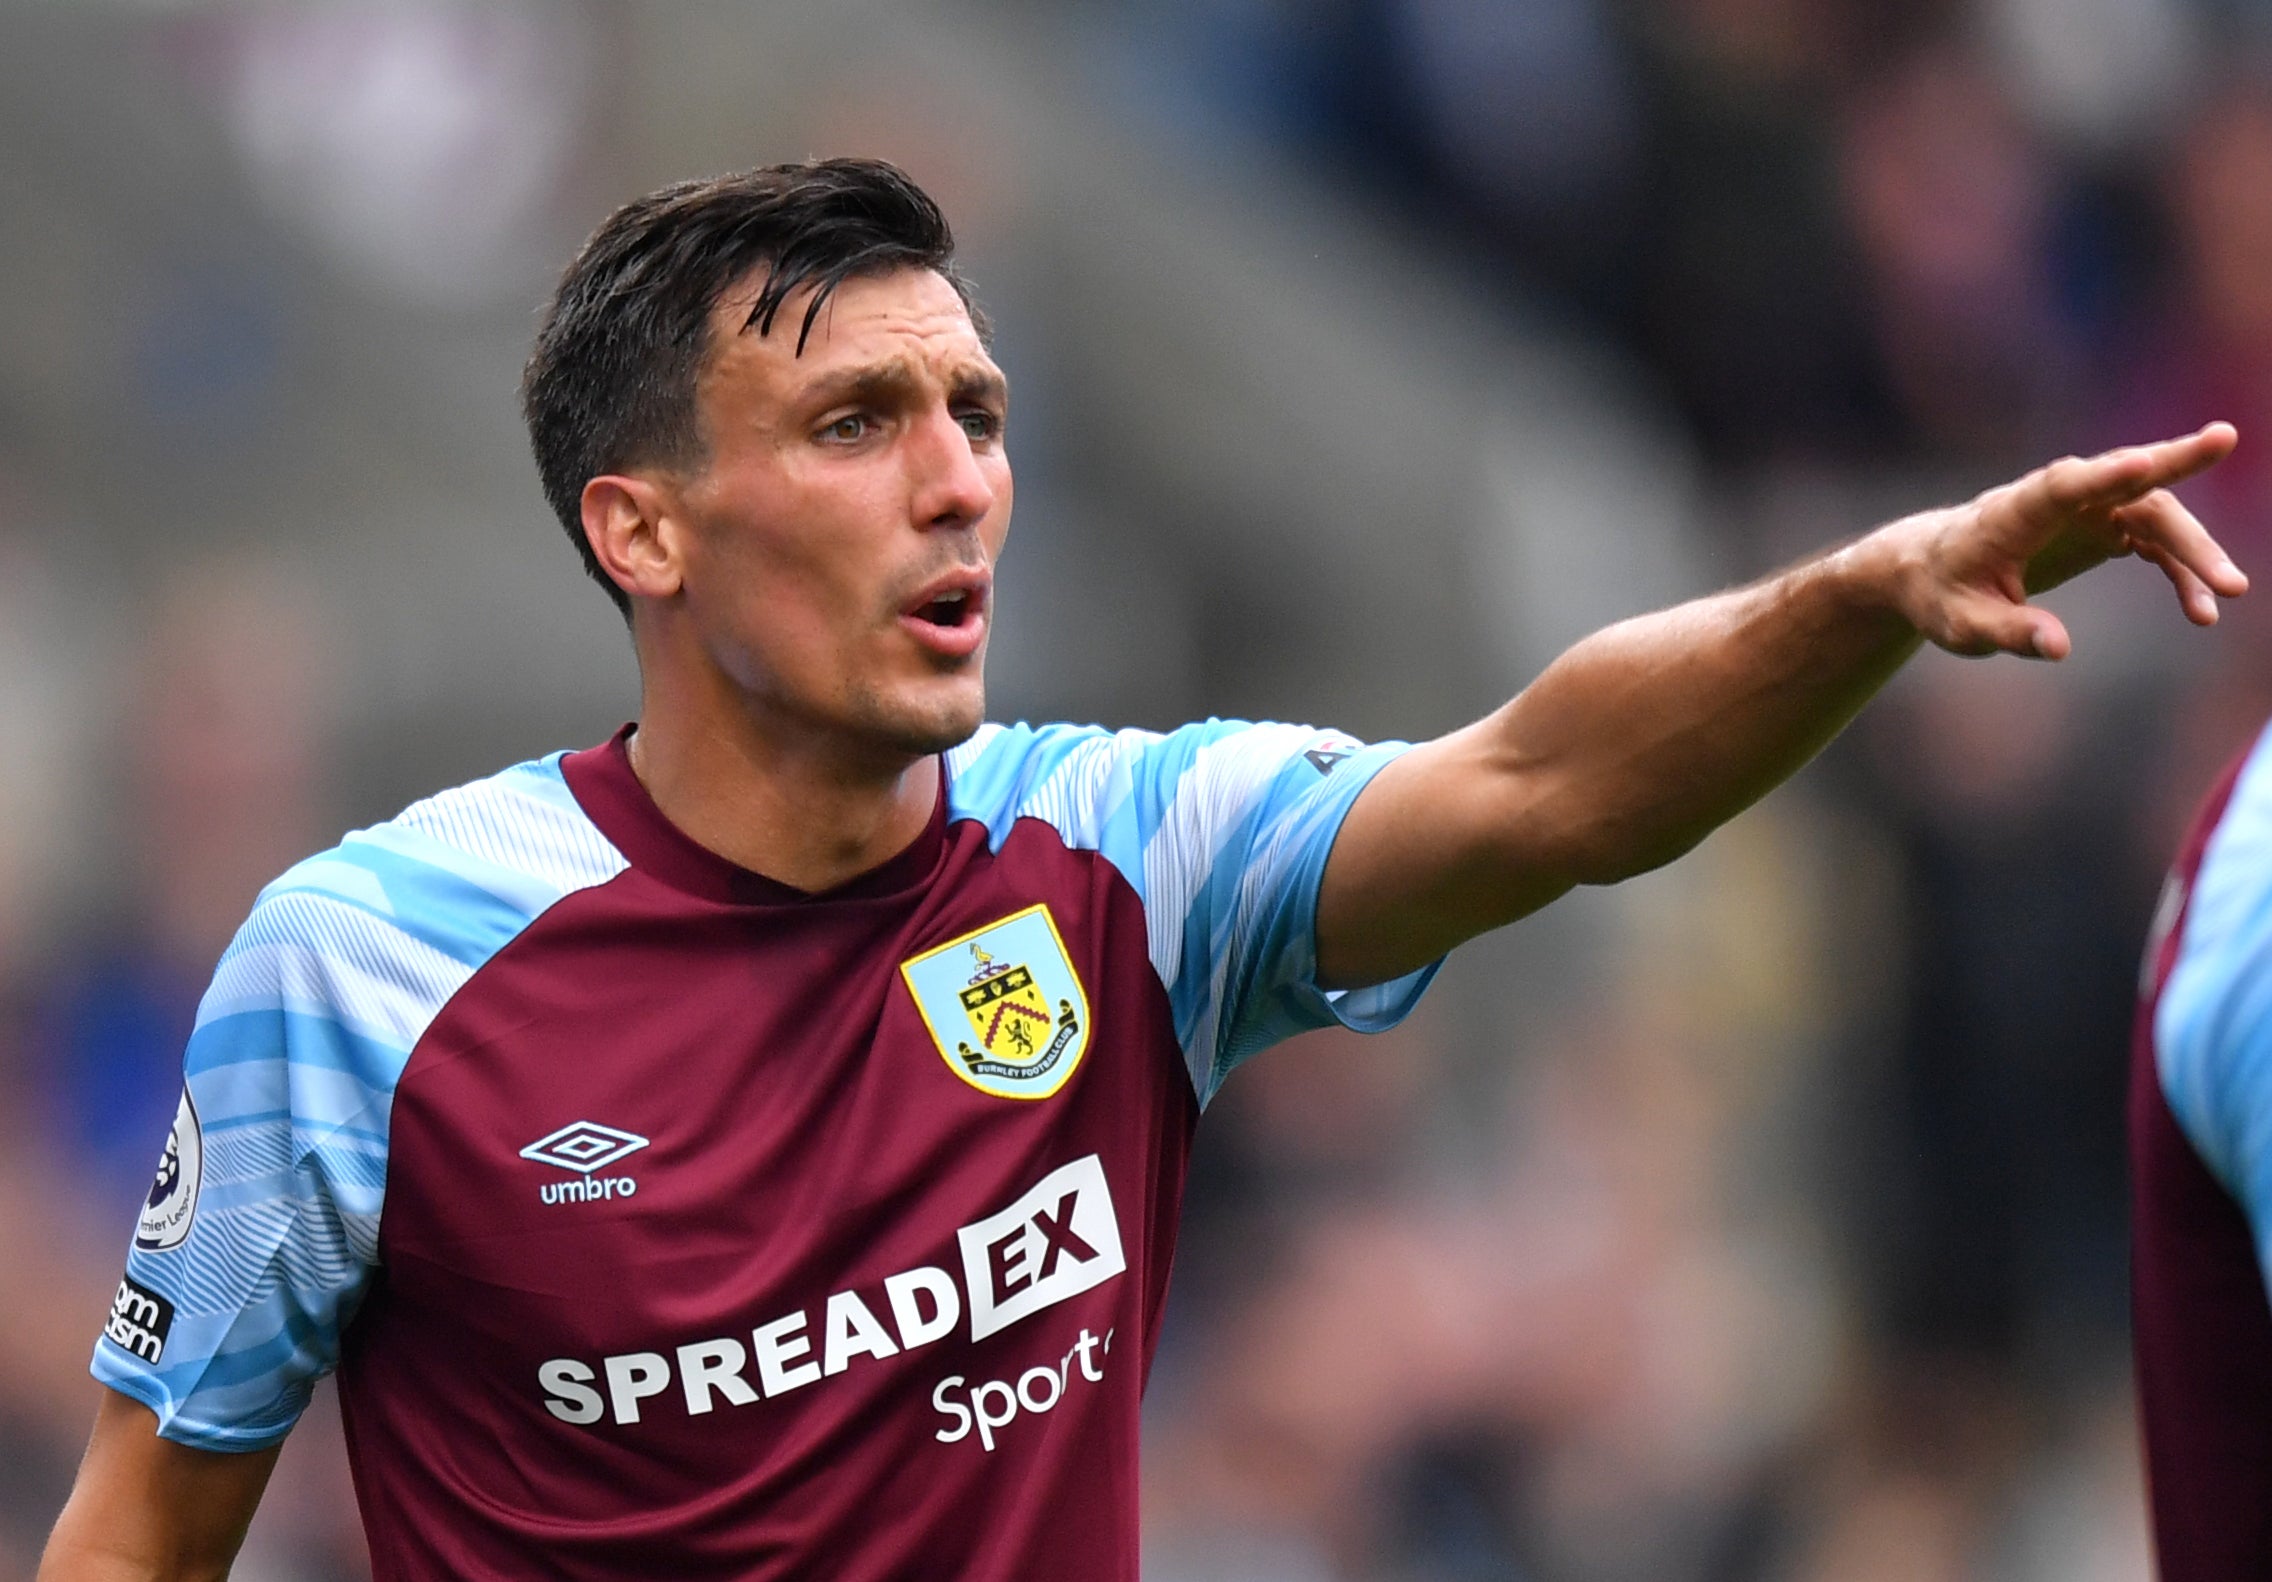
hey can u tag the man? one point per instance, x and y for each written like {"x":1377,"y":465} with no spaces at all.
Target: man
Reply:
{"x":2201,"y":1190}
{"x":752,"y":1147}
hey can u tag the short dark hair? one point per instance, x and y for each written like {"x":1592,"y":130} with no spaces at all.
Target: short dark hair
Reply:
{"x":611,"y":383}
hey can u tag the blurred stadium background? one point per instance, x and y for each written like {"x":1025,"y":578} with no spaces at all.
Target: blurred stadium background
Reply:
{"x":1759,"y":1220}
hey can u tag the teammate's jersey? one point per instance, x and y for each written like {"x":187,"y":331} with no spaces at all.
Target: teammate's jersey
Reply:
{"x":2201,"y":1191}
{"x":661,"y":1220}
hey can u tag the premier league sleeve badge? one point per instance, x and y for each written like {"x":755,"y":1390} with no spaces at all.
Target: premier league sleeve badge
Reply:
{"x":172,"y":1203}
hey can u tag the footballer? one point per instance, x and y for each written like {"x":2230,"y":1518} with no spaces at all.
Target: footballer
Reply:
{"x":2201,"y":1190}
{"x":751,"y":1147}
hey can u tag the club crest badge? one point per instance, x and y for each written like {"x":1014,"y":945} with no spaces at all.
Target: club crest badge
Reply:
{"x":1004,"y":1005}
{"x":172,"y":1203}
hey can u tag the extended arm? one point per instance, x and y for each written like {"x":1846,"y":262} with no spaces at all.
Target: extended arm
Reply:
{"x":145,"y":1509}
{"x":1640,"y":740}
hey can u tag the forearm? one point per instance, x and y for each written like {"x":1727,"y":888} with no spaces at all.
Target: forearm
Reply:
{"x":147,"y":1510}
{"x":1638,"y":742}
{"x":75,"y":1553}
{"x":120,"y":1544}
{"x":1645,"y":737}
{"x":1630,"y":748}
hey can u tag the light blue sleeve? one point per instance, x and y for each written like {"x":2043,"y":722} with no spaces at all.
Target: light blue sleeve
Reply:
{"x":261,"y":1234}
{"x":2213,"y":1025}
{"x":1223,"y":829}
{"x":262,"y":1231}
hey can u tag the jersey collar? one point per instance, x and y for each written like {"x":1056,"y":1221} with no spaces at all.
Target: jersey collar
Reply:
{"x":611,"y":796}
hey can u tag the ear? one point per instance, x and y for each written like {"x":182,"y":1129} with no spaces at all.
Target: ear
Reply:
{"x":627,"y":523}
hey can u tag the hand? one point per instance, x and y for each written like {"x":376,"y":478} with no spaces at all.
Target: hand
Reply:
{"x":1962,"y":575}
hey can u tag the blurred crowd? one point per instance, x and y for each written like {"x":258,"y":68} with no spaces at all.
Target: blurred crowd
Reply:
{"x":1760,"y":1220}
{"x":1801,"y":1255}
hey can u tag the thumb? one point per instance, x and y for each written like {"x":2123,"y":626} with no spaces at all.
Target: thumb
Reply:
{"x":1976,"y":624}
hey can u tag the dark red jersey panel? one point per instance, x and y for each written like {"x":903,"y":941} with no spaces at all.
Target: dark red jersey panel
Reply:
{"x":707,"y":1252}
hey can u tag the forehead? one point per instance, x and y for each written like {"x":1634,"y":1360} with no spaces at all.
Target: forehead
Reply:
{"x":907,"y":316}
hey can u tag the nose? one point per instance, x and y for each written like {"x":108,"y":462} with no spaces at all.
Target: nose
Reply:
{"x":951,"y":489}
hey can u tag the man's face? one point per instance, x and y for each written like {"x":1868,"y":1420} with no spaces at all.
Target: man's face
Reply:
{"x":840,"y":542}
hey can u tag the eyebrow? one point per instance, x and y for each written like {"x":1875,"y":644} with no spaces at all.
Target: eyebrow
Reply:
{"x":881,"y":383}
{"x":985,"y":385}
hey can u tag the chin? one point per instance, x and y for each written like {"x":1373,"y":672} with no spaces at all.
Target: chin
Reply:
{"x":918,"y":727}
{"x":925,"y":742}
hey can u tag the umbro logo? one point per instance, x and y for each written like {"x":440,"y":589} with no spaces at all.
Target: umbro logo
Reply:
{"x":584,"y":1147}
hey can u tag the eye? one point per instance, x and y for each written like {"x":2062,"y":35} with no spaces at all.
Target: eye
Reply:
{"x":846,"y":430}
{"x":980,"y":425}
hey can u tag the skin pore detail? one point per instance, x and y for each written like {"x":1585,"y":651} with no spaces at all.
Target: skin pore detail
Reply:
{"x":812,"y":599}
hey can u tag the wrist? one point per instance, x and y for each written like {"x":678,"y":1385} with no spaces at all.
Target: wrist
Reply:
{"x":1874,"y":575}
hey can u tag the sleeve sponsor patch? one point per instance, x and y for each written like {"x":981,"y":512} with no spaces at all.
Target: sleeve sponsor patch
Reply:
{"x":140,"y":1320}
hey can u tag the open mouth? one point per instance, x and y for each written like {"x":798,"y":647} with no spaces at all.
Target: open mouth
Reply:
{"x":954,"y":608}
{"x":949,"y":617}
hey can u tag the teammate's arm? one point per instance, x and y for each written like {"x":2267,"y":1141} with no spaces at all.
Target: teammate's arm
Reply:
{"x":1644,"y":737}
{"x":145,"y":1509}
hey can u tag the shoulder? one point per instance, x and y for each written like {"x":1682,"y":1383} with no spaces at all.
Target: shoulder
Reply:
{"x":460,"y":862}
{"x":1087,"y":780}
{"x":369,"y":939}
{"x":2213,"y":1023}
{"x":1061,"y":774}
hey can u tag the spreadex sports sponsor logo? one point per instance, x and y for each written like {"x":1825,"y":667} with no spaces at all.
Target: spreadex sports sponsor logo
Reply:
{"x":1059,"y":1239}
{"x":996,"y":1404}
{"x":140,"y":1320}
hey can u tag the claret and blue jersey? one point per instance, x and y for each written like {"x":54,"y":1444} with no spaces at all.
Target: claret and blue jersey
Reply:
{"x":2201,"y":1185}
{"x":661,"y":1220}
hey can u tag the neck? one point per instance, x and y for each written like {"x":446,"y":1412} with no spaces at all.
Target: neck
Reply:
{"x":779,"y":803}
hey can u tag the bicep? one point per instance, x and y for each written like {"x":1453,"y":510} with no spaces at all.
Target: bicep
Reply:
{"x":1429,"y":856}
{"x":144,"y":1507}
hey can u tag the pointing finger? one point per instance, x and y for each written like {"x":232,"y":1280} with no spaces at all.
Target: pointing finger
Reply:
{"x":2117,"y":477}
{"x":2086,"y":483}
{"x":2176,"y":460}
